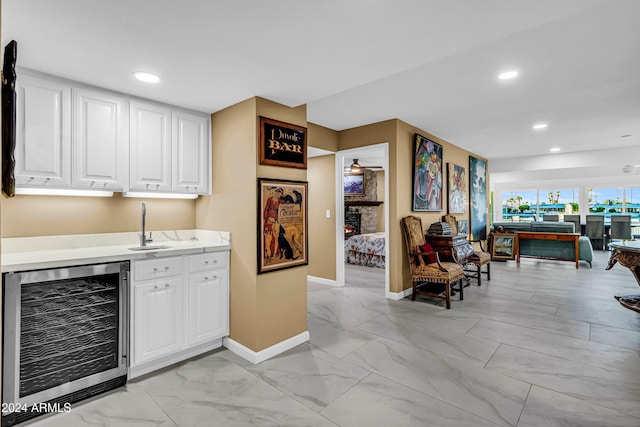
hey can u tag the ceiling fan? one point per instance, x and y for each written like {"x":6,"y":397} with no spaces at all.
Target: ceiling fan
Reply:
{"x":358,"y":168}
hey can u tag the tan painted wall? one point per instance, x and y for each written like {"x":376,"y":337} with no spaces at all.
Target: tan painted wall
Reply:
{"x":268,"y":308}
{"x":322,"y":230}
{"x":451,"y":154}
{"x":24,"y":216}
{"x":322,"y":137}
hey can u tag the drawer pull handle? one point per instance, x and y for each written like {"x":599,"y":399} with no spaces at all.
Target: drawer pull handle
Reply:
{"x":166,"y":267}
{"x":155,"y":268}
{"x":206,"y":262}
{"x":155,"y":286}
{"x":166,"y":285}
{"x":206,"y":277}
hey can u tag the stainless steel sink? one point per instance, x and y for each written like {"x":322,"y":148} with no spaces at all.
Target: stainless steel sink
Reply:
{"x":149,"y":248}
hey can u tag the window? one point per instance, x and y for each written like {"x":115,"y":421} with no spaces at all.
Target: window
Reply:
{"x":605,"y":201}
{"x":559,"y":202}
{"x":519,"y":206}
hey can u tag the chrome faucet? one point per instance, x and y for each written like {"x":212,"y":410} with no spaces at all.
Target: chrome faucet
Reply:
{"x":143,"y":237}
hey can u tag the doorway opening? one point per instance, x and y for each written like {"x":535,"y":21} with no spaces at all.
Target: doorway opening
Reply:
{"x":362,"y":215}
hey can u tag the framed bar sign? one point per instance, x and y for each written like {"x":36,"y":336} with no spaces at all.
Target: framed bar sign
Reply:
{"x":282,"y":144}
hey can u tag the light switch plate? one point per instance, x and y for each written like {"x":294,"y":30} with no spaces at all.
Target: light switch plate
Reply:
{"x":327,"y":213}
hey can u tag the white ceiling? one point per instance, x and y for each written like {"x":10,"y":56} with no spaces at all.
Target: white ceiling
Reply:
{"x":431,"y":63}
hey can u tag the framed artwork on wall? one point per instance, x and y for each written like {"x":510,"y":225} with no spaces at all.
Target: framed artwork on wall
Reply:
{"x":427,"y":175}
{"x":463,"y":226}
{"x":478,"y":196}
{"x":282,"y":224}
{"x":353,"y":184}
{"x":505,"y":246}
{"x":282,"y":144}
{"x":457,"y":189}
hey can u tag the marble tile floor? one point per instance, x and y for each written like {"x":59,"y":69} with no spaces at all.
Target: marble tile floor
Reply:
{"x":541,"y":344}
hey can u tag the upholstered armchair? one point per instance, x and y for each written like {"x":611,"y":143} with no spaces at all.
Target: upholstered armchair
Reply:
{"x":430,"y":277}
{"x":480,"y":256}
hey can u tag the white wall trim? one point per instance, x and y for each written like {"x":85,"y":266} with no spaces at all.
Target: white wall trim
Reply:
{"x":323,"y":281}
{"x":256,"y":357}
{"x":399,"y":295}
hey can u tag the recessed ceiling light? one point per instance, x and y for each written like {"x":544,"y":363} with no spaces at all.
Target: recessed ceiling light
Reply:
{"x":554,"y":149}
{"x":508,"y":75}
{"x":539,"y":126}
{"x":146,"y":77}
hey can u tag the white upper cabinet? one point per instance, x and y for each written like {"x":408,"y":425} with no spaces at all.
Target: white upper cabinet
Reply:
{"x":43,"y":134}
{"x":74,"y":136}
{"x":150,"y":147}
{"x":100,"y":140}
{"x":190,"y":153}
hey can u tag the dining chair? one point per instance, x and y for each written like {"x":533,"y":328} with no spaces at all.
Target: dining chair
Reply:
{"x":595,"y":230}
{"x":575,"y":219}
{"x":620,"y":227}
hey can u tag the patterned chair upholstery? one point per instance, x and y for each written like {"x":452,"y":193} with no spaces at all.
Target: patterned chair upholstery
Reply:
{"x":480,"y":256}
{"x":433,"y":278}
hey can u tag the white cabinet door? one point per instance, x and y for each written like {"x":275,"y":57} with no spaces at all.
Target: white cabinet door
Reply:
{"x":43,"y":134}
{"x":208,"y":306}
{"x":100,"y":140}
{"x":190,"y":153}
{"x":157,"y":319}
{"x":150,"y":147}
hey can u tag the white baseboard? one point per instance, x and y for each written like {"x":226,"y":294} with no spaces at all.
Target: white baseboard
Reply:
{"x":399,"y":295}
{"x":256,"y":357}
{"x":322,"y":281}
{"x":179,"y":356}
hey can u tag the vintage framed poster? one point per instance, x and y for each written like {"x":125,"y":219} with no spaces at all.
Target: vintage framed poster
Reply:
{"x":282,"y":144}
{"x":504,"y":247}
{"x":478,"y":196}
{"x":282,"y":224}
{"x":353,"y":184}
{"x":457,"y":189}
{"x":427,"y":175}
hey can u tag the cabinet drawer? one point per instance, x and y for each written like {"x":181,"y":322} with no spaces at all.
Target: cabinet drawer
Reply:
{"x":161,"y":267}
{"x":207,"y":261}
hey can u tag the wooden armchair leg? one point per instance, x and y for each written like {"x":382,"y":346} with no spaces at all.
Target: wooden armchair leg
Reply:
{"x":462,"y":288}
{"x":479,"y":275}
{"x":447,"y":294}
{"x":489,"y":271}
{"x":413,"y":295}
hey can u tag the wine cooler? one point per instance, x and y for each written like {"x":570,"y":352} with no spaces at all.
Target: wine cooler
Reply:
{"x":64,"y":337}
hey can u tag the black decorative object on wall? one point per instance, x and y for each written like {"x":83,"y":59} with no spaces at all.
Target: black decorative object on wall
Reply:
{"x":9,"y":118}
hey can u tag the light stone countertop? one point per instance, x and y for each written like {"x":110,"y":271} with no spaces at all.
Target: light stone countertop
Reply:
{"x":33,"y":253}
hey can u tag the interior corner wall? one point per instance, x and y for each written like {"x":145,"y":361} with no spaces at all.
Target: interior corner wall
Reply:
{"x":372,"y":134}
{"x":322,"y":230}
{"x":265,"y":309}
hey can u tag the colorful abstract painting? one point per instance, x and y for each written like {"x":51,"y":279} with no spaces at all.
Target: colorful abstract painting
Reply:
{"x":427,"y":175}
{"x":457,"y":189}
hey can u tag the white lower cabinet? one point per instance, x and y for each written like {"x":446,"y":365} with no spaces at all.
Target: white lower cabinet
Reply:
{"x":158,"y":318}
{"x":179,"y":308}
